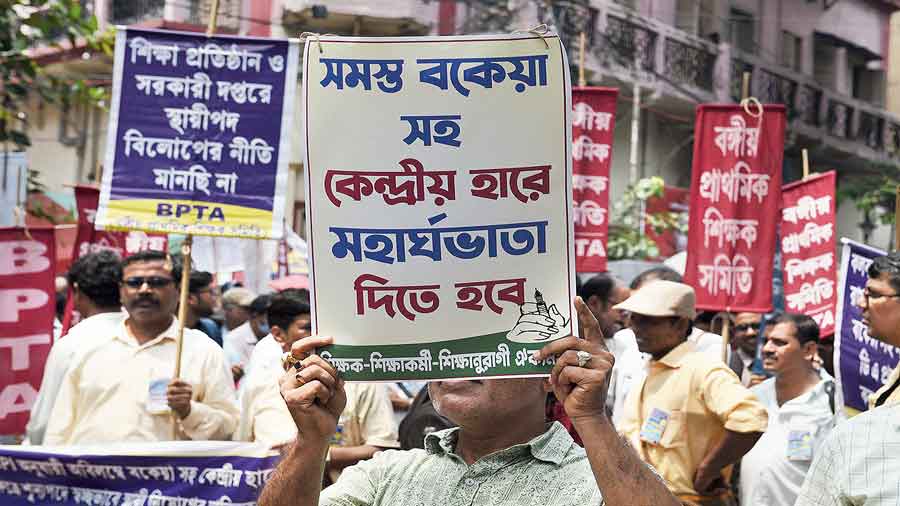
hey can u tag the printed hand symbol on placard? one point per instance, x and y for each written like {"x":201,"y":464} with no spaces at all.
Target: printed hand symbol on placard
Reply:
{"x":538,"y":323}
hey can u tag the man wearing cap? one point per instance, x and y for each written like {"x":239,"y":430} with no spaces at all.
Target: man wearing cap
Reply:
{"x":690,"y":417}
{"x":236,"y":307}
{"x":240,"y":342}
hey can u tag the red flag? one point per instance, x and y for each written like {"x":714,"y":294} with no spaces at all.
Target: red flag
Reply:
{"x":735,"y":196}
{"x":808,"y":247}
{"x":593,"y":125}
{"x":27,"y":307}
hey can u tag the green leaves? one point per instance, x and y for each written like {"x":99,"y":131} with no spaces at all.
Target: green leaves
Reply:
{"x":27,"y":25}
{"x":629,"y":218}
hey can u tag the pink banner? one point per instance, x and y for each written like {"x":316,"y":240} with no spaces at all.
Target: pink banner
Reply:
{"x":735,"y":193}
{"x":27,"y":307}
{"x":593,"y":125}
{"x":808,"y":249}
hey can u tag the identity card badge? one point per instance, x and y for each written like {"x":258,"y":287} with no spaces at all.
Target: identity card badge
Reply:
{"x":800,"y":442}
{"x":157,"y":402}
{"x":654,"y":427}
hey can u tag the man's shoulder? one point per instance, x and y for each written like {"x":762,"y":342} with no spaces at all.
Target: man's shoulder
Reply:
{"x":878,"y":424}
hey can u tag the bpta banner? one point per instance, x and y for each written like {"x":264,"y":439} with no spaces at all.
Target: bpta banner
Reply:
{"x":593,"y":125}
{"x":27,"y":307}
{"x":441,"y":244}
{"x":195,"y":473}
{"x":862,"y":363}
{"x":199,"y":134}
{"x":808,"y":249}
{"x":735,"y":193}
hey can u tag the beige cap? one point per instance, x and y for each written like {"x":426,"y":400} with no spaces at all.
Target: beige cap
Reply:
{"x":661,"y":298}
{"x":238,"y":296}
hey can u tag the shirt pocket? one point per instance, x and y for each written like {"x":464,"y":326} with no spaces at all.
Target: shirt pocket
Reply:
{"x":674,"y":435}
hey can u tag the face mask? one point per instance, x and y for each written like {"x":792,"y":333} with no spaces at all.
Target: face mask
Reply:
{"x":264,"y":328}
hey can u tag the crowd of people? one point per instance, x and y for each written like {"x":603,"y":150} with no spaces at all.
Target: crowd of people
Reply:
{"x":649,"y":406}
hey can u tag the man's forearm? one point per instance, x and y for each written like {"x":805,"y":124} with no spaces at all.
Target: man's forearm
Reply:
{"x":623,"y":478}
{"x":297,"y":481}
{"x":730,"y":449}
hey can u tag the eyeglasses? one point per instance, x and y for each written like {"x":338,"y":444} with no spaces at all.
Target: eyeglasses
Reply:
{"x":152,"y":281}
{"x":744,"y":327}
{"x":870,"y":295}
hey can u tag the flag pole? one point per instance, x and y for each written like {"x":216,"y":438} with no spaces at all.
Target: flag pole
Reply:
{"x":805,"y":163}
{"x":581,"y":43}
{"x":186,"y":248}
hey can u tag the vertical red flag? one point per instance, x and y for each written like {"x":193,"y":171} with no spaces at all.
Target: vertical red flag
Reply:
{"x":594,"y":121}
{"x":735,"y":197}
{"x":27,"y":307}
{"x":808,"y":248}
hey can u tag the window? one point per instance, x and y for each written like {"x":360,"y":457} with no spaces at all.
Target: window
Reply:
{"x":743,"y":30}
{"x":791,"y":51}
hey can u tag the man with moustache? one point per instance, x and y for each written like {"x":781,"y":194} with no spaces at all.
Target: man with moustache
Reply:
{"x":859,"y":463}
{"x":799,"y":400}
{"x":689,"y":417}
{"x":120,"y":388}
{"x":744,"y":344}
{"x":503,"y":452}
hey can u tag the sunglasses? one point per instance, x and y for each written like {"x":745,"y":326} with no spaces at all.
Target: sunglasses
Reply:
{"x":151,"y":281}
{"x":744,"y":327}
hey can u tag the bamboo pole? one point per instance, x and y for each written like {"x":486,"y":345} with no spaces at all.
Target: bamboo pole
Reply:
{"x":745,"y":86}
{"x":581,"y":43}
{"x":186,"y":248}
{"x":726,"y":336}
{"x":805,"y":163}
{"x":897,"y":220}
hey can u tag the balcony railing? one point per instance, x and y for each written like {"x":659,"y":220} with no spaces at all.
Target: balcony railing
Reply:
{"x":133,"y":11}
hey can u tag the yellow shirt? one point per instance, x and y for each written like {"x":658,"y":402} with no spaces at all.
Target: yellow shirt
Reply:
{"x":105,"y":393}
{"x":895,"y":395}
{"x":699,"y":399}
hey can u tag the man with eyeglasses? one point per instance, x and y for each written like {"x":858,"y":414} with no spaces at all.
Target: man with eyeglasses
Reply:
{"x":743,"y":345}
{"x":859,"y":463}
{"x":366,"y":424}
{"x":122,"y":389}
{"x":203,"y":300}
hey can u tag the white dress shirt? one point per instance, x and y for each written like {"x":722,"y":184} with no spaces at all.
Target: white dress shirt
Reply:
{"x":772,"y":472}
{"x":82,"y":336}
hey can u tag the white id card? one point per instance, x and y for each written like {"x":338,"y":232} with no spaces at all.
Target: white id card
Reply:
{"x":157,"y":403}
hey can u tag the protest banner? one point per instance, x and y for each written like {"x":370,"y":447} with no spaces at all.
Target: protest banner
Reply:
{"x":13,"y":186}
{"x":199,"y":134}
{"x":441,"y":241}
{"x":91,"y":240}
{"x":735,"y":192}
{"x":862,"y":363}
{"x":198,"y":473}
{"x":808,"y":249}
{"x":27,"y":307}
{"x":593,"y":125}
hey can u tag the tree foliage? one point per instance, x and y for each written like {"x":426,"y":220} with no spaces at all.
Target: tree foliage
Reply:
{"x":26,"y":25}
{"x":629,"y":217}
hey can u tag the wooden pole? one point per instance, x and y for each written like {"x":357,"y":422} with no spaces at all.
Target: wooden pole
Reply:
{"x":213,"y":15}
{"x":745,"y":86}
{"x":581,"y":43}
{"x":186,"y":247}
{"x":897,"y":220}
{"x":805,"y":163}
{"x":726,"y":336}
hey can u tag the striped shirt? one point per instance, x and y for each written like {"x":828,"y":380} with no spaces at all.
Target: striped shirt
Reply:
{"x":548,"y":470}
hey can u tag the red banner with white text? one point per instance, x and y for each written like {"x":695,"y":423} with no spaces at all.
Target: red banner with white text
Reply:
{"x":593,"y":125}
{"x":735,"y":197}
{"x":808,"y":249}
{"x":27,"y":308}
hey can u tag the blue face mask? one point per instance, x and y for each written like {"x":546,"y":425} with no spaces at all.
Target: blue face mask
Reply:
{"x":264,"y":328}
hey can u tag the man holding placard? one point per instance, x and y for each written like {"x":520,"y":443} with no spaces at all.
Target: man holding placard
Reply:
{"x":121,"y":388}
{"x":502,"y":452}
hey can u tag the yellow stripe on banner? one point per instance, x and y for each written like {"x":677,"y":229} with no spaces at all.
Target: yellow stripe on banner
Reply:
{"x":188,"y":217}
